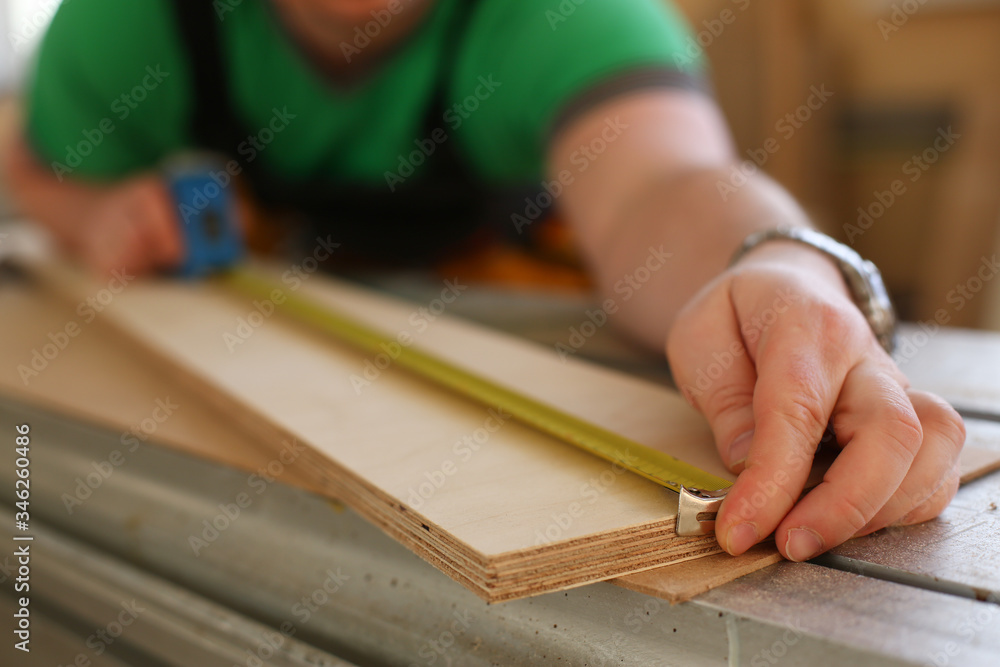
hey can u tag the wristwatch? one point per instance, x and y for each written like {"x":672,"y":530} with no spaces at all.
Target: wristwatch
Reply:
{"x":862,"y":277}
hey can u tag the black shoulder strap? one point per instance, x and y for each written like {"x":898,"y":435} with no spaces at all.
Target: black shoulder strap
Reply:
{"x":213,"y":123}
{"x":422,"y":217}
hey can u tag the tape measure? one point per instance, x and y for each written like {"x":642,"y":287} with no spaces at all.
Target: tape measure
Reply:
{"x":214,"y":237}
{"x":701,"y":492}
{"x":206,"y":210}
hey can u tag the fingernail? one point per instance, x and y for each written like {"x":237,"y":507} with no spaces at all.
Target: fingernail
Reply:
{"x":739,"y":449}
{"x":803,"y":544}
{"x":742,"y":536}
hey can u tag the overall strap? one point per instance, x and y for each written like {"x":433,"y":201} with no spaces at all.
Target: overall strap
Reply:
{"x":213,"y":123}
{"x":440,"y":207}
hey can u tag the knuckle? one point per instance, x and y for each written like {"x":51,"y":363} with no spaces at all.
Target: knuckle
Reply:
{"x":831,"y":321}
{"x":855,"y":509}
{"x":828,"y":314}
{"x":906,"y":501}
{"x":901,"y":428}
{"x":947,"y":422}
{"x":843,"y":329}
{"x":950,"y":489}
{"x":942,"y":498}
{"x":805,"y":413}
{"x":729,"y":398}
{"x":935,"y":505}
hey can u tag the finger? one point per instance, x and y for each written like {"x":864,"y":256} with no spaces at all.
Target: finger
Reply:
{"x":714,"y":372}
{"x":800,"y":366}
{"x":160,"y":225}
{"x":933,"y":506}
{"x":932,"y":479}
{"x":883,"y":436}
{"x":115,"y":244}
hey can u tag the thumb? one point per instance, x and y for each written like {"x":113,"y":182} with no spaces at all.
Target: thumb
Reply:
{"x":715,"y":373}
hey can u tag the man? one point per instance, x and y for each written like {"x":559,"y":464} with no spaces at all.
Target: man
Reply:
{"x":391,"y":121}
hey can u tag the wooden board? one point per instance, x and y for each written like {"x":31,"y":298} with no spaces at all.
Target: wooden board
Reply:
{"x":972,"y":360}
{"x":119,"y":393}
{"x":524,"y":514}
{"x":681,"y":582}
{"x":93,"y":380}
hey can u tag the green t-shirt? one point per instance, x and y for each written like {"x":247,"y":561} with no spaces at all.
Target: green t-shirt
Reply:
{"x":112,"y":91}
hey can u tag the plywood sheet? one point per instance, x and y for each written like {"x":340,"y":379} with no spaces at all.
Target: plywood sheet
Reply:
{"x":518,"y":514}
{"x":99,"y":379}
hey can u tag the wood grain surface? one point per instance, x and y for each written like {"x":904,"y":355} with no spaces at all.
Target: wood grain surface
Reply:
{"x":98,"y":377}
{"x":518,"y":514}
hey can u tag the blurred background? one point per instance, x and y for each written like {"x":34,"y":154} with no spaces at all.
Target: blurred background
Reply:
{"x":897,"y":74}
{"x":881,"y":116}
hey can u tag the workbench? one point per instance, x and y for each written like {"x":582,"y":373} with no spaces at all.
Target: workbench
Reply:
{"x":301,"y":580}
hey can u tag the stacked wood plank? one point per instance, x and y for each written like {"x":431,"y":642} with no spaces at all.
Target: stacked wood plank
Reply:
{"x":95,"y":380}
{"x":504,"y":510}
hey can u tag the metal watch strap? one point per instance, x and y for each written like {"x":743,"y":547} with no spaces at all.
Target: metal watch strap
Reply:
{"x":861,"y":275}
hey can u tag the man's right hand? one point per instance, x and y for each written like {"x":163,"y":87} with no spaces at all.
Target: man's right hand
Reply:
{"x":130,"y":226}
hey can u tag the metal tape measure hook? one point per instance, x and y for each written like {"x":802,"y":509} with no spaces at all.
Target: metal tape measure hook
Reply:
{"x":697,"y":509}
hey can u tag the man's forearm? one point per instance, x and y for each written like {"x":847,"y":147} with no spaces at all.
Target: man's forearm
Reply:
{"x":130,"y":225}
{"x":776,"y":393}
{"x":658,"y":184}
{"x":39,"y":195}
{"x":687,"y":218}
